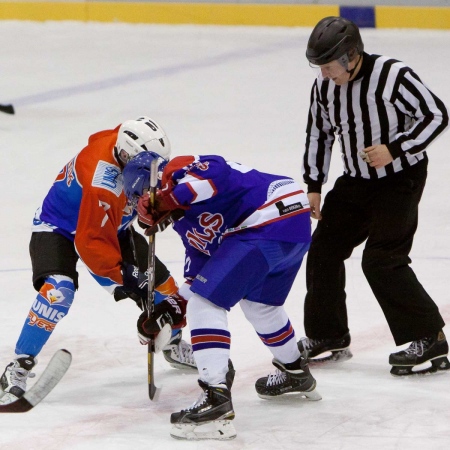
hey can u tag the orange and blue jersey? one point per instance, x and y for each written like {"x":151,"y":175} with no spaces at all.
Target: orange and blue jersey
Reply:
{"x":87,"y":205}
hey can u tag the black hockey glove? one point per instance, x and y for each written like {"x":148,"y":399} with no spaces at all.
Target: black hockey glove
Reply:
{"x":134,"y":280}
{"x":171,"y":310}
{"x":121,"y":293}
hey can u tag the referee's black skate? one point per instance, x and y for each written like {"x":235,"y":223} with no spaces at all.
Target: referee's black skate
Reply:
{"x":335,"y":349}
{"x":292,"y":378}
{"x":13,"y":382}
{"x":210,"y":416}
{"x":432,"y":349}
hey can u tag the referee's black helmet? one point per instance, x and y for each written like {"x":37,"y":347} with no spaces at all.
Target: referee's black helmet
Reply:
{"x":332,"y":38}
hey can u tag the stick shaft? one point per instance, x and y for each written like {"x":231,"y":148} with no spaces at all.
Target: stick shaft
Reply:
{"x":151,"y":283}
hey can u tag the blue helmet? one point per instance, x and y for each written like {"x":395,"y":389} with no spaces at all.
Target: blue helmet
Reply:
{"x":136,"y":174}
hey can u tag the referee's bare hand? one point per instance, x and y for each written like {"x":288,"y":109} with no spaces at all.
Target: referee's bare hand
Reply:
{"x":376,"y":156}
{"x":314,"y":204}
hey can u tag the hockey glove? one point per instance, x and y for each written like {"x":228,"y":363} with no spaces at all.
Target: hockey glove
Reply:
{"x":121,"y":293}
{"x":171,"y":310}
{"x":152,"y":219}
{"x":134,"y":280}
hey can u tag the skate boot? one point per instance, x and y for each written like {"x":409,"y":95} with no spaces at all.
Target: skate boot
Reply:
{"x":13,"y":382}
{"x":210,"y":416}
{"x":292,"y":378}
{"x":179,"y":354}
{"x":433,"y":349}
{"x":338,"y":348}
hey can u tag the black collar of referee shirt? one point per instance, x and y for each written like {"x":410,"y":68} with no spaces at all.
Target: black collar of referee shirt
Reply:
{"x":366,"y":66}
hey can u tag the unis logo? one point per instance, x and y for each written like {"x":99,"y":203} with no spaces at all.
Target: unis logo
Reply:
{"x":108,"y":176}
{"x":210,"y":225}
{"x":51,"y":294}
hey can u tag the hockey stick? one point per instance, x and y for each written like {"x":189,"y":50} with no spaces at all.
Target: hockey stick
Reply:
{"x":152,"y":389}
{"x":163,"y":337}
{"x":8,"y":109}
{"x":51,"y":376}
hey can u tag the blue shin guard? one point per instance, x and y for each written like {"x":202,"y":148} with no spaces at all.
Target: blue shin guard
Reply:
{"x":51,"y":305}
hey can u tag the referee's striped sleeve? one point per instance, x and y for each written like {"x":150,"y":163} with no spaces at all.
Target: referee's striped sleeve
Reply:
{"x":429,"y":113}
{"x":319,"y":142}
{"x":386,"y":104}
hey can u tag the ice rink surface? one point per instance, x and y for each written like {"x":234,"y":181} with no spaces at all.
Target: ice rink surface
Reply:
{"x":242,"y":93}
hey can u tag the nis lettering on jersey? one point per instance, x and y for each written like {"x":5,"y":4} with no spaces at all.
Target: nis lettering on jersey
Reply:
{"x":108,"y":176}
{"x":210,"y":224}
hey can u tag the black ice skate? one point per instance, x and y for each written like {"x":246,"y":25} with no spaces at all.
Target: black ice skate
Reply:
{"x":430,"y":349}
{"x":336,"y":349}
{"x":292,"y":378}
{"x":179,"y":354}
{"x":13,"y":382}
{"x":210,"y":416}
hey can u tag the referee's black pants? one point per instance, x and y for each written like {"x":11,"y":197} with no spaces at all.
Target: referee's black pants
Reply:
{"x":385,"y":212}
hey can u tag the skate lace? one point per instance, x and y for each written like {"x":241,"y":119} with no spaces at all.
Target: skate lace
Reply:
{"x":202,"y":399}
{"x":185,"y":353}
{"x":277,"y":378}
{"x":19,"y":376}
{"x":418,"y":347}
{"x":308,"y":343}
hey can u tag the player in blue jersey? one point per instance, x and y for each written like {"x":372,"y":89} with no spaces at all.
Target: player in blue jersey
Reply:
{"x":86,"y":216}
{"x":245,"y":234}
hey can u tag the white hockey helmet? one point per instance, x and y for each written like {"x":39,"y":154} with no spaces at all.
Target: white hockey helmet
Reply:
{"x":141,"y":135}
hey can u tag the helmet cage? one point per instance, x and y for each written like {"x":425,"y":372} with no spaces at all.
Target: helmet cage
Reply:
{"x":136,"y":175}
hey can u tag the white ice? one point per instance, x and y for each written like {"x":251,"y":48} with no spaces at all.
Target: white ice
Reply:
{"x":242,"y":93}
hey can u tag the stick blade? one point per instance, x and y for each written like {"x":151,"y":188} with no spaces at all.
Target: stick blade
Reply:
{"x":55,"y":370}
{"x":152,"y":389}
{"x":19,"y":406}
{"x":8,"y":109}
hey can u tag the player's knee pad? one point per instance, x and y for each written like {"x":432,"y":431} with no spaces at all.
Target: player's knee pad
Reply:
{"x":273,"y":327}
{"x":201,"y":313}
{"x":53,"y":302}
{"x":264,"y":318}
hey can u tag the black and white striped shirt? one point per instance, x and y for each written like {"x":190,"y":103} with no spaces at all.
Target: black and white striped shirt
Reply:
{"x":385,"y":104}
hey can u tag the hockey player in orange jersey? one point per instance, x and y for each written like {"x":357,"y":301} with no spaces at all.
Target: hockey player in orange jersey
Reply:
{"x":87,"y":216}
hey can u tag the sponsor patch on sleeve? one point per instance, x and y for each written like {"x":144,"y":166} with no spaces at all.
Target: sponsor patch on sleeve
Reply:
{"x":109,"y":177}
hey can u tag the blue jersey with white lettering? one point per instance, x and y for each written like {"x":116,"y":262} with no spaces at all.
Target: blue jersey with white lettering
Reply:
{"x":222,"y":198}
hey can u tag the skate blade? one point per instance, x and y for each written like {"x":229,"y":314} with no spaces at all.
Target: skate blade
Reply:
{"x":312,"y":395}
{"x":220,"y":430}
{"x":334,"y":356}
{"x":438,"y":364}
{"x":180,"y":366}
{"x":6,"y":398}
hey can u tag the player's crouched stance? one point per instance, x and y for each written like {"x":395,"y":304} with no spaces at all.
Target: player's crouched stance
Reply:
{"x":245,"y":235}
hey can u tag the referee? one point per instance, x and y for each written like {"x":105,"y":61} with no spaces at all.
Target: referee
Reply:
{"x":384,"y":118}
